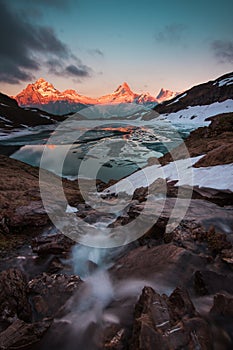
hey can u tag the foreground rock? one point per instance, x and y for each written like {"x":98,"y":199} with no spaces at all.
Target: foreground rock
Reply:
{"x":20,"y":197}
{"x":13,"y":298}
{"x":161,"y":265}
{"x":57,"y":244}
{"x":168,"y":323}
{"x":48,"y":293}
{"x":21,"y":335}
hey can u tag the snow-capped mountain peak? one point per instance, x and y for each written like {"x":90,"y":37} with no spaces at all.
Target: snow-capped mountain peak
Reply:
{"x":123,"y":88}
{"x":42,"y":94}
{"x":165,"y":95}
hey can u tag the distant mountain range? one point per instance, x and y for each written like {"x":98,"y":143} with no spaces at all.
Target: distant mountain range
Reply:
{"x":193,"y":106}
{"x":45,"y":96}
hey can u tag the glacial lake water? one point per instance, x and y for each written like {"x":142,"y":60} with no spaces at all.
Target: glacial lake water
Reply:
{"x":108,"y":150}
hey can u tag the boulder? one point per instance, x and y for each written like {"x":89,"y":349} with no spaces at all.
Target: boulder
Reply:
{"x":13,"y":297}
{"x":49,"y":292}
{"x":168,"y":323}
{"x":56,"y":244}
{"x":21,"y":335}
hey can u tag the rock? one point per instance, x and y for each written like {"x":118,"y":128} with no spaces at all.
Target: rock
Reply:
{"x":227,"y":256}
{"x":217,"y":242}
{"x":223,"y":306}
{"x":48,"y":293}
{"x":13,"y":298}
{"x":140,"y":194}
{"x":114,"y":338}
{"x":165,"y":264}
{"x":222,"y":316}
{"x":52,"y":244}
{"x":20,"y":198}
{"x":21,"y":335}
{"x":210,"y":282}
{"x":214,"y":141}
{"x":168,"y":323}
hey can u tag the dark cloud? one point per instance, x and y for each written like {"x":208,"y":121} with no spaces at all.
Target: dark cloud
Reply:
{"x":172,"y":33}
{"x":223,"y":50}
{"x":81,"y":71}
{"x":26,"y":46}
{"x":77,"y":70}
{"x":97,"y":52}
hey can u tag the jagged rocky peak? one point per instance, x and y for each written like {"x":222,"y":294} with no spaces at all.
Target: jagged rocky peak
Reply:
{"x":123,"y":88}
{"x":166,"y":95}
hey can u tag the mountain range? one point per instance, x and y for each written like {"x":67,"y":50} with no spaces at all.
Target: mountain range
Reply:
{"x":45,"y":96}
{"x":196,"y":104}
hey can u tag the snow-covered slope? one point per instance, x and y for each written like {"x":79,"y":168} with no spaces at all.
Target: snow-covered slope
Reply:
{"x":217,"y":177}
{"x":218,"y":90}
{"x":198,"y":115}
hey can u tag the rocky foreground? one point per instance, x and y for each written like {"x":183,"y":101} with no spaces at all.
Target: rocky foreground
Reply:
{"x":168,"y":290}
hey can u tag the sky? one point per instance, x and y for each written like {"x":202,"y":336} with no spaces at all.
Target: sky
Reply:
{"x":93,"y":46}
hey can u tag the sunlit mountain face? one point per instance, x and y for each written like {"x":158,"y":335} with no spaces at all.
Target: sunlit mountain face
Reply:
{"x":45,"y":96}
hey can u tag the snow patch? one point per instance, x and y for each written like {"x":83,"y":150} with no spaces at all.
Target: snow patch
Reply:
{"x":6,"y":120}
{"x":217,"y":177}
{"x":70,"y":209}
{"x":178,"y":99}
{"x":226,"y":81}
{"x":197,"y":115}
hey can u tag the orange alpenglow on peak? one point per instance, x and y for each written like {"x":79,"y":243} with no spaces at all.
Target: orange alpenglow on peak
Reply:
{"x":123,"y":86}
{"x":44,"y":95}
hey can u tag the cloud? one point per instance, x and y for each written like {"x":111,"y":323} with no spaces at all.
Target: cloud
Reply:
{"x":75,"y":70}
{"x":95,"y":52}
{"x":25,"y":47}
{"x":223,"y":50}
{"x":172,"y":33}
{"x":81,"y":71}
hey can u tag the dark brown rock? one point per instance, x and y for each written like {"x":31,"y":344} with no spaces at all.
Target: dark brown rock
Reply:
{"x":221,"y":315}
{"x":48,"y":293}
{"x":223,"y":306}
{"x":168,"y":323}
{"x":21,"y":335}
{"x":20,"y":198}
{"x":165,"y":263}
{"x":13,"y":297}
{"x":52,"y":244}
{"x":211,"y":282}
{"x":114,"y":338}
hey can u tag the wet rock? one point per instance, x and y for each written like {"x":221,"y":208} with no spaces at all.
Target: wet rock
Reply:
{"x":222,"y":315}
{"x":21,"y":335}
{"x":13,"y":297}
{"x":115,"y":338}
{"x":166,"y":264}
{"x":227,"y":256}
{"x":210,"y":282}
{"x":48,"y":293}
{"x":52,"y":244}
{"x":168,"y":323}
{"x":223,"y":306}
{"x":140,"y":194}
